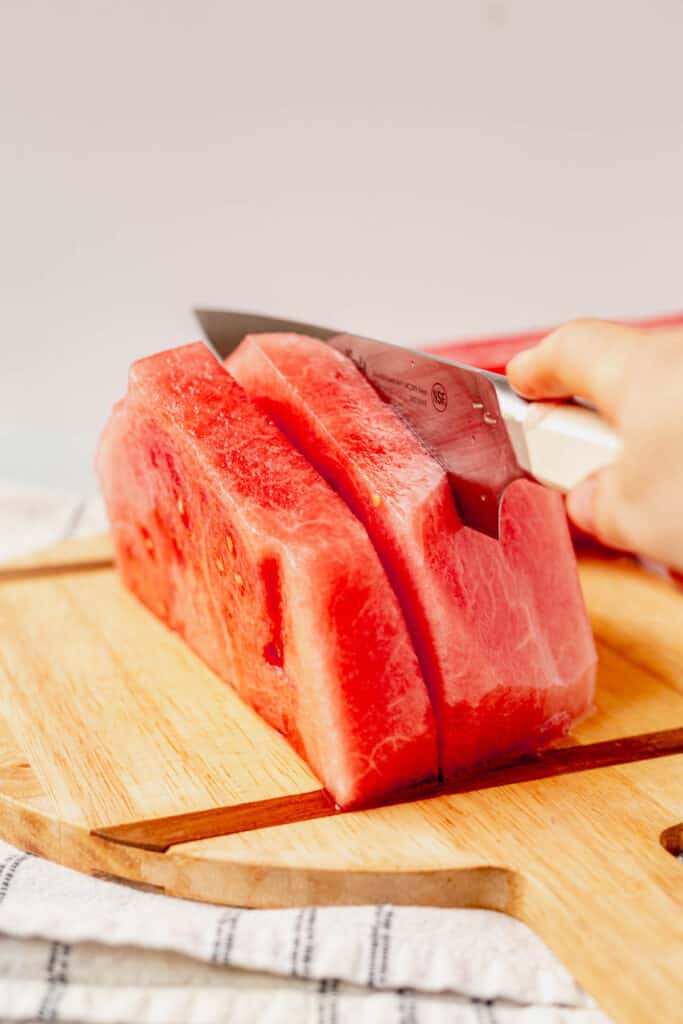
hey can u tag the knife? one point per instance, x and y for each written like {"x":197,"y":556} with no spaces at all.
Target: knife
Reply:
{"x":481,"y":432}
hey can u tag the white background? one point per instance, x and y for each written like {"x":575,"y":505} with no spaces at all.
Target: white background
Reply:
{"x":411,"y":170}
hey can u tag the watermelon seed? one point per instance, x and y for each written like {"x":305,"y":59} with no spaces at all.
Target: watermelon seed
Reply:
{"x":147,"y":539}
{"x":185,"y":519}
{"x":231,"y":544}
{"x":220,"y":568}
{"x":488,"y":418}
{"x":239,"y":581}
{"x":376,"y":500}
{"x":273,"y":654}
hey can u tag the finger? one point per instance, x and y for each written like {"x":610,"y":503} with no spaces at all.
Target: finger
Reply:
{"x":596,"y":507}
{"x":580,"y":504}
{"x":586,"y":358}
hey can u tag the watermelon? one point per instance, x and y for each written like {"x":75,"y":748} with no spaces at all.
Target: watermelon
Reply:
{"x":487,"y":353}
{"x":227,"y":533}
{"x":496,"y":352}
{"x":499,"y":626}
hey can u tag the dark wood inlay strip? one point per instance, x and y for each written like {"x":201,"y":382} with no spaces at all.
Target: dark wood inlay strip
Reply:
{"x":12,"y":573}
{"x":158,"y":834}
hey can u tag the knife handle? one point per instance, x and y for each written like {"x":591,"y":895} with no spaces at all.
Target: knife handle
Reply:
{"x":559,"y":443}
{"x":567,"y":442}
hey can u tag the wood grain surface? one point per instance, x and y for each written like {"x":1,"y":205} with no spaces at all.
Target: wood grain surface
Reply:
{"x":108,"y":723}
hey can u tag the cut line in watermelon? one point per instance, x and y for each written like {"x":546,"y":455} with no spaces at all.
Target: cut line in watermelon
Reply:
{"x":500,"y":627}
{"x":227,"y":533}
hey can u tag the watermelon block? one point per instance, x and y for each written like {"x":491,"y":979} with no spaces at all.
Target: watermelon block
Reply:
{"x":499,"y":626}
{"x":226,"y":532}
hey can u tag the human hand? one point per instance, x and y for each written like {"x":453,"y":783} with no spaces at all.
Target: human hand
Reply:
{"x":634,"y":377}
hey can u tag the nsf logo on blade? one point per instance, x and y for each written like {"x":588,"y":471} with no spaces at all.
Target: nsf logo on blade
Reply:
{"x":439,"y":397}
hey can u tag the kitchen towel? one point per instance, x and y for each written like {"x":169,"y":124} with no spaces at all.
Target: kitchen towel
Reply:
{"x":75,"y":948}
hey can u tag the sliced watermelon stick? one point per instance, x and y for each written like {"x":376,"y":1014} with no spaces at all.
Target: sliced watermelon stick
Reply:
{"x":496,"y":352}
{"x":499,"y":626}
{"x":228,"y":534}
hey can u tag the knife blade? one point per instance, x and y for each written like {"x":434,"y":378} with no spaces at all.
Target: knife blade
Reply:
{"x":482,"y":433}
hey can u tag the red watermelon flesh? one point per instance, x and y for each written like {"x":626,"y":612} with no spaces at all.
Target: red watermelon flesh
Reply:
{"x":499,"y":626}
{"x":229,"y":535}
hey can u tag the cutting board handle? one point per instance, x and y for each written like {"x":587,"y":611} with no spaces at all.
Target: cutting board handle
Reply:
{"x":616,"y":913}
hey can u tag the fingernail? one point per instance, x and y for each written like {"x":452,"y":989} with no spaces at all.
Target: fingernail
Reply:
{"x":581,"y":504}
{"x":519,"y":369}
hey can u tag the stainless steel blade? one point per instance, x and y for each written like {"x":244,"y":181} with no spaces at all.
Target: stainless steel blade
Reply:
{"x":483,"y":434}
{"x":453,"y":409}
{"x":225,"y":330}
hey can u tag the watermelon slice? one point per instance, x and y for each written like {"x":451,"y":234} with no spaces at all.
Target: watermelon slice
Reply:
{"x":487,"y":353}
{"x":229,"y":535}
{"x":499,"y":626}
{"x":496,"y":352}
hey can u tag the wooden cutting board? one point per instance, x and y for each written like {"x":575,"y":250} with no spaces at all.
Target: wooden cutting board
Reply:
{"x":120,"y":753}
